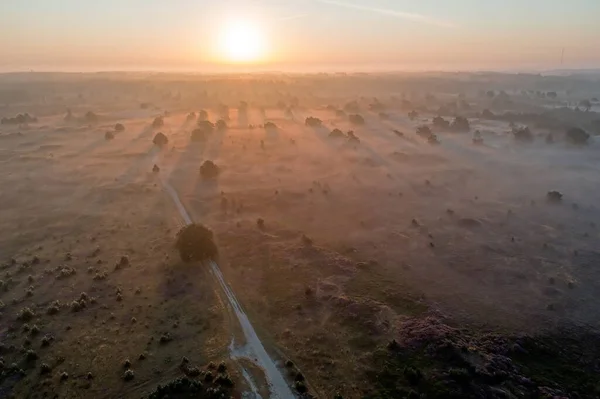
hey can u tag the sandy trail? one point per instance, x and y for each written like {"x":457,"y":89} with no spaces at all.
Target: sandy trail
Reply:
{"x":253,"y":350}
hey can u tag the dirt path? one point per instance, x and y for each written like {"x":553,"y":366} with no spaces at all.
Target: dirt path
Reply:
{"x":252,"y":350}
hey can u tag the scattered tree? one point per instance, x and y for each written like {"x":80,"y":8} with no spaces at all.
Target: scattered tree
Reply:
{"x":160,"y":139}
{"x":356,"y":119}
{"x":460,"y":124}
{"x":119,"y":127}
{"x":522,"y":134}
{"x":195,"y":242}
{"x":336,"y":133}
{"x":440,"y":123}
{"x":158,"y":122}
{"x":209,"y":170}
{"x":577,"y":136}
{"x":412,"y":115}
{"x":313,"y":122}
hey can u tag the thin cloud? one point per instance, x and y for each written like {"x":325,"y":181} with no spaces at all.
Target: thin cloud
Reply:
{"x":394,"y":13}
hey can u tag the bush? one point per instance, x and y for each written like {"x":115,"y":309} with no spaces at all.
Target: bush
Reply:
{"x":119,"y":127}
{"x":460,"y":124}
{"x":221,"y":125}
{"x":313,"y":122}
{"x":209,"y":170}
{"x":424,"y":131}
{"x":195,"y":242}
{"x":109,"y":136}
{"x":270,"y":126}
{"x":477,"y":139}
{"x":158,"y":122}
{"x":160,"y":139}
{"x":440,"y":123}
{"x":128,"y":375}
{"x":90,"y":117}
{"x":202,"y":115}
{"x":356,"y":119}
{"x":577,"y":136}
{"x":25,"y":314}
{"x":487,"y":114}
{"x":412,"y":115}
{"x":337,"y":133}
{"x":522,"y":134}
{"x":352,"y":137}
{"x":554,"y":196}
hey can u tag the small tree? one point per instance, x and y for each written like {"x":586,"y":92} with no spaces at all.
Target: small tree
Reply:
{"x":160,"y":139}
{"x":577,"y":136}
{"x":195,"y":242}
{"x":119,"y":127}
{"x":158,"y":122}
{"x":202,"y":115}
{"x":440,"y":123}
{"x":209,"y":170}
{"x":460,"y":124}
{"x":424,"y":131}
{"x":356,"y":119}
{"x":412,"y":115}
{"x":221,"y":125}
{"x":313,"y":122}
{"x":523,"y":134}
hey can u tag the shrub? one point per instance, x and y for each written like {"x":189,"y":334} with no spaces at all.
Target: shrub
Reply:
{"x":128,"y":375}
{"x":155,"y":168}
{"x":356,"y":119}
{"x":260,"y":223}
{"x":554,"y":196}
{"x":412,"y":375}
{"x":166,"y":337}
{"x":119,"y":127}
{"x":352,"y":137}
{"x":337,"y":133}
{"x":577,"y":136}
{"x":209,"y":170}
{"x":54,"y":308}
{"x":158,"y":122}
{"x":109,"y":136}
{"x":522,"y":134}
{"x":487,"y":114}
{"x":477,"y":139}
{"x":313,"y":122}
{"x":160,"y":139}
{"x":45,"y":369}
{"x":424,"y":131}
{"x":300,"y":387}
{"x":221,"y":125}
{"x":25,"y":314}
{"x":202,"y":115}
{"x":460,"y":124}
{"x":270,"y":126}
{"x":30,"y":355}
{"x":90,"y":117}
{"x":412,"y":115}
{"x":224,"y":380}
{"x":440,"y":123}
{"x":195,"y":242}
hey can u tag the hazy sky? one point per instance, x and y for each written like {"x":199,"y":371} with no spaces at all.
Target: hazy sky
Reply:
{"x":366,"y":34}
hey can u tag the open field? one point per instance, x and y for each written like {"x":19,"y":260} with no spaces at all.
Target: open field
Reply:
{"x":384,"y":267}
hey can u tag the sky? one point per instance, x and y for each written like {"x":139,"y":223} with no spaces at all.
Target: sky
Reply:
{"x":311,"y":35}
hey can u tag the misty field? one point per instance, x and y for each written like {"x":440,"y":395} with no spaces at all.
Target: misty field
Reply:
{"x":388,"y":236}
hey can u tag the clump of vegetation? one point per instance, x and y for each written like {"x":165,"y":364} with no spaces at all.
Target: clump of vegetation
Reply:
{"x":270,"y":126}
{"x":100,"y":276}
{"x":522,"y":134}
{"x":45,"y":369}
{"x":20,"y":119}
{"x":460,"y":124}
{"x":128,"y":375}
{"x":352,"y":137}
{"x":109,"y":136}
{"x":25,"y":314}
{"x":122,"y":263}
{"x":54,"y":308}
{"x":356,"y":119}
{"x":398,"y":133}
{"x":440,"y":123}
{"x":119,"y":127}
{"x":90,"y":117}
{"x":412,"y":115}
{"x":65,"y":272}
{"x":209,"y":170}
{"x":554,"y":196}
{"x":260,"y":223}
{"x":577,"y":136}
{"x":186,"y":388}
{"x":160,"y":140}
{"x":202,"y":115}
{"x":221,"y":125}
{"x":313,"y":122}
{"x":155,"y":168}
{"x":424,"y":131}
{"x":166,"y":338}
{"x":158,"y":122}
{"x":195,"y":242}
{"x":336,"y":133}
{"x":31,"y":355}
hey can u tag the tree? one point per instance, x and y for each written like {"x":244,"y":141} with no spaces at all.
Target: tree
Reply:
{"x":460,"y":124}
{"x":440,"y":123}
{"x":577,"y":136}
{"x":424,"y":131}
{"x":356,"y":119}
{"x":523,"y":134}
{"x":551,"y":94}
{"x":412,"y":115}
{"x":586,"y":105}
{"x":313,"y":122}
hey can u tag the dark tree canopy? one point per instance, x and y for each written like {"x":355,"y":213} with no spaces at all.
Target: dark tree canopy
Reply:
{"x":270,"y":126}
{"x":209,"y":170}
{"x":119,"y":127}
{"x":356,"y":119}
{"x":195,"y":242}
{"x":460,"y":124}
{"x":313,"y":122}
{"x":160,"y":139}
{"x":577,"y":136}
{"x":440,"y":123}
{"x":522,"y":134}
{"x":336,"y":134}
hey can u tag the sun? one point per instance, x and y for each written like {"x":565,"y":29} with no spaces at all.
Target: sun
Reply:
{"x":242,"y":41}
